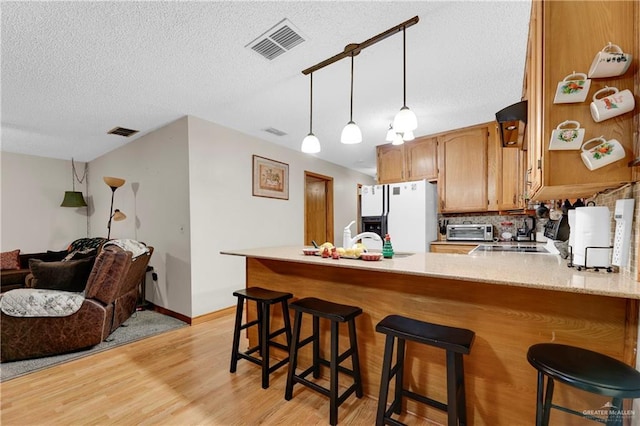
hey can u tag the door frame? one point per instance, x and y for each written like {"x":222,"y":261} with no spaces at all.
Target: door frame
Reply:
{"x":328,"y":180}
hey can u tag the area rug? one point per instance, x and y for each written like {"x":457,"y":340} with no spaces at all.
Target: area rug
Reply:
{"x":141,"y":325}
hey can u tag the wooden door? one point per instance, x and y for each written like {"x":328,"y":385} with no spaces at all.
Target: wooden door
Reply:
{"x":390,"y":161}
{"x":421,"y":159}
{"x":462,"y":175}
{"x":318,"y":208}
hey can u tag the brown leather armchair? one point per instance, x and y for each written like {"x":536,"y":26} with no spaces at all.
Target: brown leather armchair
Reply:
{"x":111,"y":297}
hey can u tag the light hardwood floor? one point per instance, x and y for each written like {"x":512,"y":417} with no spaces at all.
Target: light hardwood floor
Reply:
{"x":177,"y":378}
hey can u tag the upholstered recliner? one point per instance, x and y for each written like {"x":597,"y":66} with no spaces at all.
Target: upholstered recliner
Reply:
{"x":110,"y":298}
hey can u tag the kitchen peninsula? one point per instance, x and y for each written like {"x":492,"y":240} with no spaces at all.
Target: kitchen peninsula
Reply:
{"x":511,"y":301}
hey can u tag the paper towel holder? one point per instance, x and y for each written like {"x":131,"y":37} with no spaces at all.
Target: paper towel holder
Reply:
{"x":586,"y":261}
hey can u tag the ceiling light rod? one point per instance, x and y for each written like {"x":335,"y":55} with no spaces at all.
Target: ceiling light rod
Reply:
{"x":354,"y":49}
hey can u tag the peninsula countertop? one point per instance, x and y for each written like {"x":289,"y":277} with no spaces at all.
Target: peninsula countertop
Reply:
{"x":542,"y":271}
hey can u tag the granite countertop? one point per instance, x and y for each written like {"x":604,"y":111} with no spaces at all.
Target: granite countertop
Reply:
{"x":543,"y":271}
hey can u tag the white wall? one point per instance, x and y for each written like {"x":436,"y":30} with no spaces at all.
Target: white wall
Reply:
{"x":225,"y":215}
{"x":155,"y":199}
{"x":32,"y":190}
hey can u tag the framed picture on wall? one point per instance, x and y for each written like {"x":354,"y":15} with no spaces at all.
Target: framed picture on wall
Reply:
{"x":270,"y":178}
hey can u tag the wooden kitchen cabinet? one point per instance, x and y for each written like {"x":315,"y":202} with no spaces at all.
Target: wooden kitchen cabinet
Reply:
{"x":511,"y":181}
{"x":462,"y":170}
{"x":564,"y":38}
{"x":421,"y":158}
{"x":414,"y":160}
{"x":390,"y":163}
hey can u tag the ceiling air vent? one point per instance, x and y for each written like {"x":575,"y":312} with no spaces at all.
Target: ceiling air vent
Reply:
{"x":278,"y":39}
{"x":121,"y":131}
{"x":274,"y":131}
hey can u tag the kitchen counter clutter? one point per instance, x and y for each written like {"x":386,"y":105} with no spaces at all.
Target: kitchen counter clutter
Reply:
{"x":535,"y":270}
{"x":510,"y":300}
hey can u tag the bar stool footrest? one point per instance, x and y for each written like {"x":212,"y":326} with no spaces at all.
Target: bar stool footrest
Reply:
{"x":248,"y":357}
{"x":425,"y":400}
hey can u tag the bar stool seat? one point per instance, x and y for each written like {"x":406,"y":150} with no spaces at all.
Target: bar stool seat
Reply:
{"x":264,"y":298}
{"x":582,"y":369}
{"x":455,"y":341}
{"x":336,"y":313}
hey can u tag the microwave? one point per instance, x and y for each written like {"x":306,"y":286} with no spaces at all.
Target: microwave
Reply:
{"x":470,"y":232}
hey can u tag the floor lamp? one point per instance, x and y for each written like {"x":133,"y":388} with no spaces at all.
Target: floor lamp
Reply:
{"x":114,"y":183}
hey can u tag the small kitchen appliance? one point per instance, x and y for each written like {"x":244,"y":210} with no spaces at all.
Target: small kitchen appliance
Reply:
{"x":470,"y":232}
{"x":528,"y":230}
{"x":557,"y":229}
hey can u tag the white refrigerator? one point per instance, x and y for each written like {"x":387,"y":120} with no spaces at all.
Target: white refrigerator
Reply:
{"x":407,"y":211}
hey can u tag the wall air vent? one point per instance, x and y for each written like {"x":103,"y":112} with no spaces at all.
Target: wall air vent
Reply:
{"x":278,"y":39}
{"x":122,"y":131}
{"x":274,"y":131}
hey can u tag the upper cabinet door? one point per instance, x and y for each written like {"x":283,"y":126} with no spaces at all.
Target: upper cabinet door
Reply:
{"x":421,"y":159}
{"x":563,"y":39}
{"x":390,"y":163}
{"x":462,"y":176}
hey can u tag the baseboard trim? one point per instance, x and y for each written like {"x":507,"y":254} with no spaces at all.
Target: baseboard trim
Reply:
{"x":173,"y":314}
{"x":213,"y":315}
{"x":192,"y":321}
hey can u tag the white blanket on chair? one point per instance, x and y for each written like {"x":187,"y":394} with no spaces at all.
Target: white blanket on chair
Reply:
{"x":32,"y":302}
{"x":135,"y":247}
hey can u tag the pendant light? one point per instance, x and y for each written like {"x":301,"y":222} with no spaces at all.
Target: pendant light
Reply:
{"x":405,"y":120}
{"x":397,"y":139}
{"x":390,"y":134}
{"x":74,"y":198}
{"x":310,"y":144}
{"x":351,"y":133}
{"x":408,"y":136}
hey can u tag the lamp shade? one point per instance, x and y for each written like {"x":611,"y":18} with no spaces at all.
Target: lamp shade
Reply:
{"x":397,"y":140}
{"x":113,"y":182}
{"x":408,"y":136}
{"x":405,"y":120}
{"x":73,"y":199}
{"x":310,"y":144}
{"x":351,"y":134}
{"x":118,"y":215}
{"x":391,"y":134}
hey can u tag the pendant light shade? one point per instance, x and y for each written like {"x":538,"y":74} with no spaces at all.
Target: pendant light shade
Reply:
{"x":405,"y":120}
{"x":351,"y":133}
{"x":390,"y":134}
{"x":310,"y":144}
{"x":397,"y":139}
{"x":73,"y":199}
{"x":408,"y":136}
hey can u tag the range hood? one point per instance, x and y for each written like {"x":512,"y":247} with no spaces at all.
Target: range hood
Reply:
{"x":512,"y":122}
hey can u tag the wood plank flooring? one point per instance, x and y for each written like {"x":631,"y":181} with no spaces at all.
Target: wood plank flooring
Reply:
{"x":177,"y":378}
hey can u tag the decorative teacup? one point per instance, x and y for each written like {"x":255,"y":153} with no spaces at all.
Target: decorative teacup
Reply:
{"x":611,"y":61}
{"x":617,"y":103}
{"x":573,"y":88}
{"x":606,"y":152}
{"x":565,"y":138}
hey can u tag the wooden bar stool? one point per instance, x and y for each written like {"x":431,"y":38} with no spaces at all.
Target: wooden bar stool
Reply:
{"x":337,"y":314}
{"x":264,"y":299}
{"x":586,"y":370}
{"x":455,"y":341}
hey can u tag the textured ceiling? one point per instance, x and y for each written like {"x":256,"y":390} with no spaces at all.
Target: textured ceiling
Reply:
{"x":71,"y":71}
